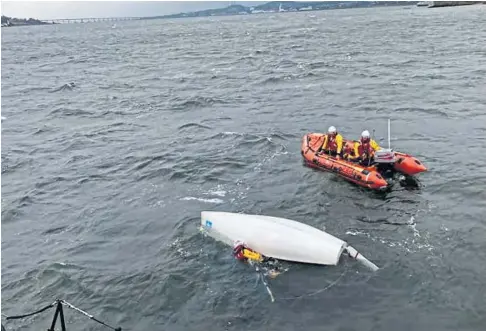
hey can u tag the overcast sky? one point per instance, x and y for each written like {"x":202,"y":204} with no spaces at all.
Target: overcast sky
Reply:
{"x":85,"y":9}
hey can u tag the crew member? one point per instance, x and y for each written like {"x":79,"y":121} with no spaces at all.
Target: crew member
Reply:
{"x":333,"y":143}
{"x":364,"y":149}
{"x":243,"y":253}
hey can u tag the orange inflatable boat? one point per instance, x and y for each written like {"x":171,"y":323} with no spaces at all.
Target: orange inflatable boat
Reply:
{"x":377,"y":176}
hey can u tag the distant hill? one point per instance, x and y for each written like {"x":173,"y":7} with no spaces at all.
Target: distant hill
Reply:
{"x":289,"y":6}
{"x":323,"y":5}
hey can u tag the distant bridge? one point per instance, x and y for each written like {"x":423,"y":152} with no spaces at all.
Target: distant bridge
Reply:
{"x":90,"y":20}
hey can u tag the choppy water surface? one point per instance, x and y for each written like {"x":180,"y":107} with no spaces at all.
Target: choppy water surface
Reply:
{"x":103,"y":184}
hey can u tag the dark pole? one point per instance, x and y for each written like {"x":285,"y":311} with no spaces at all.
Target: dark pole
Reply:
{"x":54,"y":320}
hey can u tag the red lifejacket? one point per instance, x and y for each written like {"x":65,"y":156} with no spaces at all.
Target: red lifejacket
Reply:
{"x":331,"y":143}
{"x":238,"y":252}
{"x":365,"y":148}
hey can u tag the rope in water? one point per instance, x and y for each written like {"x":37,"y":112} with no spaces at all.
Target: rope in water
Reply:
{"x":59,"y":311}
{"x":265,"y":283}
{"x":31,"y":314}
{"x":318,"y":291}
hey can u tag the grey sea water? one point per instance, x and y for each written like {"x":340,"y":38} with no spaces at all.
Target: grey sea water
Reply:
{"x":103,"y":184}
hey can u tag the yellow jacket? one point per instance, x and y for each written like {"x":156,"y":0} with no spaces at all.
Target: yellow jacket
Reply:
{"x":358,"y":153}
{"x":336,"y":145}
{"x":252,"y":255}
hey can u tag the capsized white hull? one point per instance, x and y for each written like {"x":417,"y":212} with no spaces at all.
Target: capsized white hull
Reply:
{"x":278,"y":238}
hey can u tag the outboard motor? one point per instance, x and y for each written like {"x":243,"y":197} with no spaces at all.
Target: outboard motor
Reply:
{"x":385,"y":160}
{"x":384,"y":156}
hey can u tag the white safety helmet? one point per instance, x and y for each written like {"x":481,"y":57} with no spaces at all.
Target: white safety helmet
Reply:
{"x":331,"y":129}
{"x":365,"y":134}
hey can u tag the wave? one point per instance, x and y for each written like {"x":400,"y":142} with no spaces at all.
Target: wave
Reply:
{"x":205,"y":200}
{"x":168,"y":172}
{"x":273,"y":80}
{"x":261,"y":51}
{"x":430,"y":76}
{"x":217,"y":120}
{"x":193,"y":125}
{"x":417,"y":242}
{"x":430,"y":111}
{"x":55,"y":230}
{"x":118,"y":86}
{"x":286,"y":64}
{"x":309,"y":74}
{"x":195,"y":102}
{"x":61,"y":111}
{"x":320,"y":64}
{"x":254,"y":138}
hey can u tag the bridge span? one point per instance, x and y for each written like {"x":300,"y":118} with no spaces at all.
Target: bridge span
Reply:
{"x":90,"y":19}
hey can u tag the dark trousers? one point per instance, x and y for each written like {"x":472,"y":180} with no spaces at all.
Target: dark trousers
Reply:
{"x":366,"y":161}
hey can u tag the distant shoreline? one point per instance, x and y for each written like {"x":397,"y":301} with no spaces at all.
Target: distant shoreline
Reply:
{"x":279,"y":7}
{"x":13,"y":21}
{"x":292,"y":6}
{"x":438,"y":4}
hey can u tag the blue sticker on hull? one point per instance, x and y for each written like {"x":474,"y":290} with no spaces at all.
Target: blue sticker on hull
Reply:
{"x":209,"y":224}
